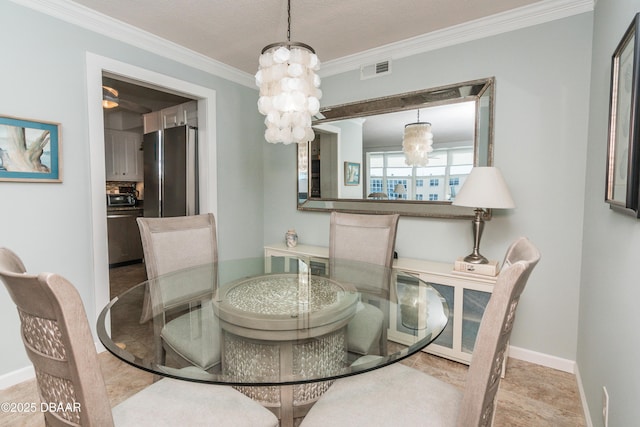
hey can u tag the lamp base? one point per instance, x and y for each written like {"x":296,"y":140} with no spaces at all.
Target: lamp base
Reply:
{"x":476,"y":258}
{"x":477,"y":226}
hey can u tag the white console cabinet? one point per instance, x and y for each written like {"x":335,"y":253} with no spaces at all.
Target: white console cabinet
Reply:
{"x":467,"y":295}
{"x":316,"y":256}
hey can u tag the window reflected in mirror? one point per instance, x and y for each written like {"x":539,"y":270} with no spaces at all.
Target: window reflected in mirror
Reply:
{"x":440,"y":180}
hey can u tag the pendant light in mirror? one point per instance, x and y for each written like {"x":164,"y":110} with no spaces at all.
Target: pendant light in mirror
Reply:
{"x":289,"y":89}
{"x":417,"y":143}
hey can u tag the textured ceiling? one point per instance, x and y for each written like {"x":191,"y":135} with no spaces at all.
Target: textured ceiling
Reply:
{"x":235,"y":31}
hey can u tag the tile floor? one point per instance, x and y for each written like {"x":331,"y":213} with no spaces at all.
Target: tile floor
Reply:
{"x":530,"y":395}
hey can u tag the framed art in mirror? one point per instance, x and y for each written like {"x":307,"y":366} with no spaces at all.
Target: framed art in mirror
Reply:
{"x":351,"y":173}
{"x":29,"y":150}
{"x":624,"y":124}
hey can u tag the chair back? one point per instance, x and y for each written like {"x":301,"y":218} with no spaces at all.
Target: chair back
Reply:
{"x":171,"y":244}
{"x":367,"y":239}
{"x":362,"y":237}
{"x":56,"y":336}
{"x":174,"y":243}
{"x":483,"y":377}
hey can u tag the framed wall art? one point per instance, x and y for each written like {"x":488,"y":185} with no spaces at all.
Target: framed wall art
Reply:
{"x":29,"y":150}
{"x":624,"y":124}
{"x":351,"y":173}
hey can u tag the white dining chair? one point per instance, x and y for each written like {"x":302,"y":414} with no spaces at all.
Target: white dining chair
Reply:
{"x":171,"y":244}
{"x":403,"y":396}
{"x":58,"y":341}
{"x":369,"y":239}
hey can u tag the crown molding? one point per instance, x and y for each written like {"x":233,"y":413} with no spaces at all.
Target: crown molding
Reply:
{"x":526,"y":16}
{"x":89,"y":19}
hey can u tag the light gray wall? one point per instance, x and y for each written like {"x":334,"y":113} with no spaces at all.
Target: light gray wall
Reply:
{"x":542,"y":97}
{"x":608,"y":340}
{"x":48,"y":225}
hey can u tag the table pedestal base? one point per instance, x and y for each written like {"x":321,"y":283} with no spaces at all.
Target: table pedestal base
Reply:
{"x":245,"y":358}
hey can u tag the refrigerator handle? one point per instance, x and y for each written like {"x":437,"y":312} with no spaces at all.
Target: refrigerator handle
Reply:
{"x":192,"y":171}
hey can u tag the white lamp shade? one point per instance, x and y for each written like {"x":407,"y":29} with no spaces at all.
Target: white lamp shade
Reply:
{"x":485,"y":187}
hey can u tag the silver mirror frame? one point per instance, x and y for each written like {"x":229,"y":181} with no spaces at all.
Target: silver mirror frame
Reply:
{"x":482,"y":90}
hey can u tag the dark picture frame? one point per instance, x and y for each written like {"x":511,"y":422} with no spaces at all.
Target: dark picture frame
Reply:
{"x":30,"y":151}
{"x":624,"y":124}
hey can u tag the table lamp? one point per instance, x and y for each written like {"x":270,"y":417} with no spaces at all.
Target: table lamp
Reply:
{"x":484,"y":188}
{"x":399,"y":190}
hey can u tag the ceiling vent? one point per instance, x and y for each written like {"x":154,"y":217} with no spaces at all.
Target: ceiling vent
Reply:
{"x":375,"y":70}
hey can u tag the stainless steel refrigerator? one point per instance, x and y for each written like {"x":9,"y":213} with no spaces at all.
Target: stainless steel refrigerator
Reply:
{"x":171,"y":172}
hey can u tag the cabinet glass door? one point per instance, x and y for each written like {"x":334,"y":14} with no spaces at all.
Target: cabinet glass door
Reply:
{"x":473,"y":305}
{"x":406,"y":290}
{"x":406,"y":287}
{"x":446,"y":337}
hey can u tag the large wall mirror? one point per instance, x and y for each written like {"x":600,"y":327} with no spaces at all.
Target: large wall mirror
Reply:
{"x":356,"y":162}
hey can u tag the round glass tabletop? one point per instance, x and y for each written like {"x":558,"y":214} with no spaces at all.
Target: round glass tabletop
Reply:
{"x":275,"y":321}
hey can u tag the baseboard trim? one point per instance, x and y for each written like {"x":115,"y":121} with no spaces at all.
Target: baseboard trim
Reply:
{"x":16,"y":377}
{"x":543,"y":359}
{"x":583,"y":399}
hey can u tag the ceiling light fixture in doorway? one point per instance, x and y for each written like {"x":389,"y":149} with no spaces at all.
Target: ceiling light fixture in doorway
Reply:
{"x":109,"y":97}
{"x":289,"y":89}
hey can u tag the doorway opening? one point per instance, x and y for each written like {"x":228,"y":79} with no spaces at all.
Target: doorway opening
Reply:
{"x":99,"y":67}
{"x":134,"y":111}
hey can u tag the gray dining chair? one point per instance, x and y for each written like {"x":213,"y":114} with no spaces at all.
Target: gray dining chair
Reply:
{"x":171,"y":244}
{"x":400,"y":395}
{"x":58,"y":341}
{"x":369,"y":239}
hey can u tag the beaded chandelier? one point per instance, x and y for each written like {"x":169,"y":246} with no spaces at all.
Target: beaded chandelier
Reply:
{"x":289,"y":89}
{"x":417,"y":143}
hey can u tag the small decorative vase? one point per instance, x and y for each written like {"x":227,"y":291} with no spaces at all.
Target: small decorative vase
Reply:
{"x":291,"y":237}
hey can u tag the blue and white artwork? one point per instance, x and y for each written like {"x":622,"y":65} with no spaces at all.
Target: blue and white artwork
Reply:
{"x":29,"y":150}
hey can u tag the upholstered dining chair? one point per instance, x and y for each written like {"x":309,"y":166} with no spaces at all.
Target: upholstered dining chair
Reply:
{"x":171,"y":244}
{"x":369,"y":239}
{"x":400,"y":395}
{"x":58,"y":341}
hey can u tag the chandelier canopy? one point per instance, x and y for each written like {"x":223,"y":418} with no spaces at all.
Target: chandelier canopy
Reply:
{"x":289,"y":89}
{"x":417,"y":143}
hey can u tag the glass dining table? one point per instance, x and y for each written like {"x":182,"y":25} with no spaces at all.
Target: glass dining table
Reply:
{"x":280,"y":331}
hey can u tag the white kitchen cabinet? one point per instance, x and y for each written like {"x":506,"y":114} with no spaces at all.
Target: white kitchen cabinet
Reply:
{"x":123,"y":156}
{"x":152,"y":122}
{"x":467,"y":295}
{"x":178,"y":115}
